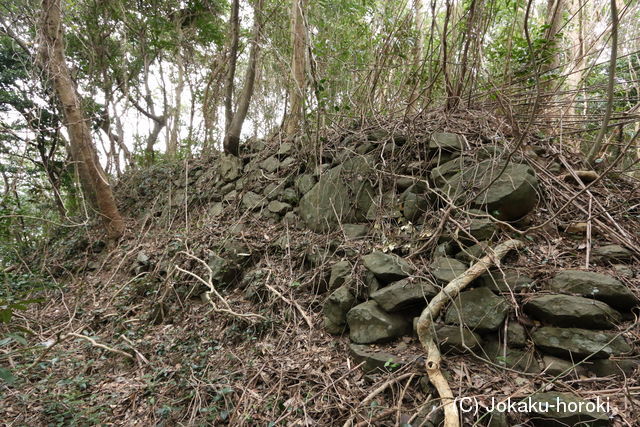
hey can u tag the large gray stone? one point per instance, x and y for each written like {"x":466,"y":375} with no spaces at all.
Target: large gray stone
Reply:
{"x":229,"y":167}
{"x":355,"y":231}
{"x":572,"y":311}
{"x":304,"y":183}
{"x":335,"y":309}
{"x":512,"y":358}
{"x":446,"y":269}
{"x":507,"y":193}
{"x":279,"y":208}
{"x":404,"y":294}
{"x":252,"y":201}
{"x":270,"y":164}
{"x":563,"y":409}
{"x":479,"y":309}
{"x":612,"y":253}
{"x":375,"y":360}
{"x":343,"y":194}
{"x":614,"y":367}
{"x":507,"y":280}
{"x":559,"y":367}
{"x":594,"y":285}
{"x":516,"y":335}
{"x":387,"y":267}
{"x":579,"y":343}
{"x":457,"y":339}
{"x":340,"y":274}
{"x":446,"y":141}
{"x":368,"y":324}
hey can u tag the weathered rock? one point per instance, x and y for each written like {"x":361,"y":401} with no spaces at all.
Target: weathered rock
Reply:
{"x":614,"y":367}
{"x":291,"y":220}
{"x":387,"y":267}
{"x":414,"y":202}
{"x":273,"y":190}
{"x":224,"y":271}
{"x":472,"y":253}
{"x":355,"y":231}
{"x":572,"y":311}
{"x":252,"y":201}
{"x":340,"y":274}
{"x":368,"y":323}
{"x":479,"y":309}
{"x":230,"y":196}
{"x":371,"y":282}
{"x":594,"y":285}
{"x":447,"y":249}
{"x":446,"y":142}
{"x":623,"y":271}
{"x":482,"y":229}
{"x":507,"y":280}
{"x":335,"y":309}
{"x":270,"y":164}
{"x":343,"y":194}
{"x":289,"y":195}
{"x":441,"y":174}
{"x":229,"y":167}
{"x":579,"y":343}
{"x":563,"y":409}
{"x":386,"y":206}
{"x":559,"y":367}
{"x":142,"y":258}
{"x":457,"y":339}
{"x":509,"y":197}
{"x":216,"y":209}
{"x":612,"y":253}
{"x":404,"y":294}
{"x":287,"y":162}
{"x":305,"y":182}
{"x":375,"y":360}
{"x":404,"y":182}
{"x":278,"y":207}
{"x":512,"y":358}
{"x":446,"y":269}
{"x":227,"y":188}
{"x":516,"y":335}
{"x":285,"y":149}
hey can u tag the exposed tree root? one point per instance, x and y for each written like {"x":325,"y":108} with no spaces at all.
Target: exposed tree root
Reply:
{"x":432,"y":311}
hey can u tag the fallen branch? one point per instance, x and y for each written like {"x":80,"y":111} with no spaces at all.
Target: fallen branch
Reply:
{"x":102,"y":346}
{"x":374,"y":393}
{"x":213,"y":291}
{"x":432,"y":311}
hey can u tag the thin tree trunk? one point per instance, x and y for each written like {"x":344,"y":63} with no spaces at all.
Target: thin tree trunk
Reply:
{"x":298,"y":62}
{"x":94,"y":182}
{"x":234,"y":26}
{"x":172,"y":146}
{"x":574,"y":78}
{"x":597,"y":144}
{"x":232,"y":138}
{"x":418,"y":53}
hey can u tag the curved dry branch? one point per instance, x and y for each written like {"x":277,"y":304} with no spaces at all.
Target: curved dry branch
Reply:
{"x":432,"y":311}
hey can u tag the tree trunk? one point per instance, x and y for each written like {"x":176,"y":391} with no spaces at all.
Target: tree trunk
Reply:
{"x":172,"y":145}
{"x":578,"y":54}
{"x":234,"y":27}
{"x":555,"y":8}
{"x":298,"y":61}
{"x":232,"y":138}
{"x":418,"y":53}
{"x":94,"y":182}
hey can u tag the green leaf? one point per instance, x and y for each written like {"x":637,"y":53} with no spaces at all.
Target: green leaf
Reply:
{"x":7,"y":376}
